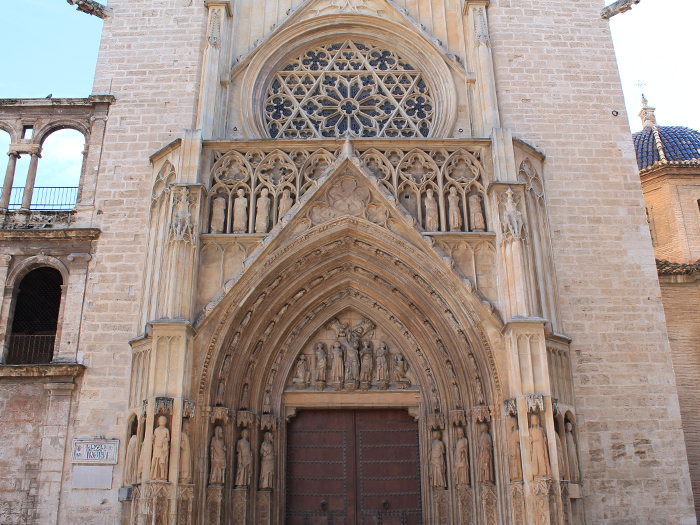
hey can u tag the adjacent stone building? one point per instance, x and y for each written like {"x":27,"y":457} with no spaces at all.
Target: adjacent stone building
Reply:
{"x":348,"y":261}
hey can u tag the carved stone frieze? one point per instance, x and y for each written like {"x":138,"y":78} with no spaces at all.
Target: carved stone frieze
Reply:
{"x":36,"y":219}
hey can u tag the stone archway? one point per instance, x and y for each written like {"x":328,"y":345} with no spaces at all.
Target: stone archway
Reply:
{"x":342,"y":277}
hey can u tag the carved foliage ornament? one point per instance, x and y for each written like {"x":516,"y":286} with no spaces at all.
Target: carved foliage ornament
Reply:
{"x":349,"y":89}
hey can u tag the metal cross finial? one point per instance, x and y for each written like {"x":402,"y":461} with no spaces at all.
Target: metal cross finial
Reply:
{"x":641,"y":85}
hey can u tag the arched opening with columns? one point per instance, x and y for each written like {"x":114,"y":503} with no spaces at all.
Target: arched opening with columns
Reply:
{"x":350,"y":282}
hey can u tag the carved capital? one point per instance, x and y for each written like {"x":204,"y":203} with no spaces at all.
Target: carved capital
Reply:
{"x":535,"y":403}
{"x":164,"y":406}
{"x":219,"y":414}
{"x":481,"y":414}
{"x":268,"y":422}
{"x":458,"y":418}
{"x":436,"y":421}
{"x":245,"y":418}
{"x":5,"y":260}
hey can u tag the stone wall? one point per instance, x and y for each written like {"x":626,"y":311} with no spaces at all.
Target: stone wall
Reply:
{"x":149,"y":60}
{"x":22,"y":410}
{"x":682,"y":307}
{"x":558,"y":84}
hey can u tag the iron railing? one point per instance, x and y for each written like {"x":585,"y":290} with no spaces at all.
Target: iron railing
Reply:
{"x":57,"y":198}
{"x":30,"y":349}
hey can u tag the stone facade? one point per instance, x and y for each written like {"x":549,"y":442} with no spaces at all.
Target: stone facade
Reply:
{"x":455,"y":226}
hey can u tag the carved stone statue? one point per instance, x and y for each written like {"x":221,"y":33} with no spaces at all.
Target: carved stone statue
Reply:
{"x":455,"y":212}
{"x":381,"y":374}
{"x":352,"y":366}
{"x":539,"y":456}
{"x":244,"y":460}
{"x":438,"y":474}
{"x":480,"y":398}
{"x":301,"y":375}
{"x":245,"y":397}
{"x":267,"y":462}
{"x":462,"y":459}
{"x":337,"y":368}
{"x":218,"y":215}
{"x":365,"y":366}
{"x":515,"y":465}
{"x":131,"y":463}
{"x":185,"y":471}
{"x":217,"y":457}
{"x":181,"y":215}
{"x":400,"y":370}
{"x":320,"y":370}
{"x":432,"y":218}
{"x":563,"y":470}
{"x":286,"y":203}
{"x":485,"y":458}
{"x":161,"y":450}
{"x":476,"y":215}
{"x":220,"y":393}
{"x":240,"y":212}
{"x":574,"y":472}
{"x":512,"y":218}
{"x":262,"y":215}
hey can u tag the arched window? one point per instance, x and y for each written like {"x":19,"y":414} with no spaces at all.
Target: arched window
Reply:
{"x":58,"y":172}
{"x":35,"y":319}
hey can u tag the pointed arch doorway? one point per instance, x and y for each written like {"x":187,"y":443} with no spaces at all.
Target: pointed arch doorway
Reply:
{"x":352,"y":467}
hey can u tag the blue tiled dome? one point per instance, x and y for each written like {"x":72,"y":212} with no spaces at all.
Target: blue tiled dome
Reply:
{"x":674,"y":145}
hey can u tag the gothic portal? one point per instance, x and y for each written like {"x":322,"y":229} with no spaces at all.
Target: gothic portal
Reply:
{"x":376,"y":261}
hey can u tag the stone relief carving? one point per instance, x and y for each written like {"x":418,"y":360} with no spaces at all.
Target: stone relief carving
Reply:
{"x":438,"y":470}
{"x":217,"y":457}
{"x":244,"y":460}
{"x":432,"y":219}
{"x":515,"y":464}
{"x":131,"y":462}
{"x":462,"y":459}
{"x":485,"y":458}
{"x":181,"y":226}
{"x":185,"y":470}
{"x":352,"y":363}
{"x":572,"y":455}
{"x":539,"y":454}
{"x":267,"y":462}
{"x":262,"y":215}
{"x":161,"y":450}
{"x":512,"y":219}
{"x":407,"y":175}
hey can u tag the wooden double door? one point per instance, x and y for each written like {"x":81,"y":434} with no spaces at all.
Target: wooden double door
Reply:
{"x":348,"y":467}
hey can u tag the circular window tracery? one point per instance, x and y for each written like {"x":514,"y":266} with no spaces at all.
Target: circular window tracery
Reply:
{"x":348,"y":88}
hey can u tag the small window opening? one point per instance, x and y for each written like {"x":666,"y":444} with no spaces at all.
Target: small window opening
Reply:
{"x":35,"y":320}
{"x":27,"y":132}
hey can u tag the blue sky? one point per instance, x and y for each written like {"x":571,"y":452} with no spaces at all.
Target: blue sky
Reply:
{"x":52,"y":48}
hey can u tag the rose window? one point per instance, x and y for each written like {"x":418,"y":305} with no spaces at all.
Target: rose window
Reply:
{"x":349,"y":89}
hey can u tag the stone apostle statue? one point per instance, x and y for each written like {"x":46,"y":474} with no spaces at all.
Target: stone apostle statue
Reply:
{"x":218,"y":215}
{"x":262,"y":214}
{"x":462,"y":459}
{"x":301,"y":374}
{"x":476,"y":215}
{"x":381,"y":371}
{"x":438,"y":474}
{"x":365,"y":365}
{"x":286,"y":203}
{"x":161,"y":450}
{"x":320,"y":369}
{"x":539,"y":456}
{"x":574,"y":472}
{"x":244,"y":457}
{"x":240,"y":212}
{"x":485,"y":458}
{"x":185,"y":472}
{"x":432,"y":220}
{"x":455,"y":213}
{"x":337,"y":368}
{"x":352,"y":363}
{"x":267,"y":462}
{"x":515,"y":465}
{"x":131,"y":463}
{"x":217,"y":457}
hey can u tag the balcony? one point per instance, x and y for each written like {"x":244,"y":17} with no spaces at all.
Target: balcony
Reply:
{"x":30,"y":349}
{"x":45,"y":198}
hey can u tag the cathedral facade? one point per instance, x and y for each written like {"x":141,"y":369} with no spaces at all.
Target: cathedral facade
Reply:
{"x":340,"y":261}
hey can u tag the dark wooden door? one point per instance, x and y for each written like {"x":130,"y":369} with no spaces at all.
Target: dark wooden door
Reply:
{"x":349,"y":467}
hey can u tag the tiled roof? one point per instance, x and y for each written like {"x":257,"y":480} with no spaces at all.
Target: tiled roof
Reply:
{"x":668,"y":145}
{"x":670,"y":268}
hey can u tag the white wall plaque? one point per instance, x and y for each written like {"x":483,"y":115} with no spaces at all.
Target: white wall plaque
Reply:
{"x":95,"y":451}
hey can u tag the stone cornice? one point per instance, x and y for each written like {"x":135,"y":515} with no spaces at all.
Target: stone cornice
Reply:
{"x":78,"y":234}
{"x":56,"y":102}
{"x":55,"y":372}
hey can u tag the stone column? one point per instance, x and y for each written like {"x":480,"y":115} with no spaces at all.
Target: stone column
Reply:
{"x":71,"y":309}
{"x":31,"y":179}
{"x":9,"y":179}
{"x":53,"y":448}
{"x":485,"y":77}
